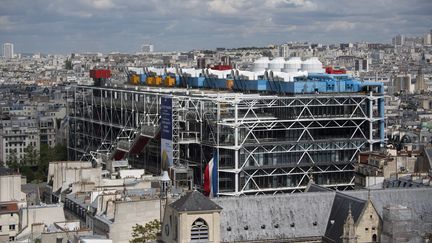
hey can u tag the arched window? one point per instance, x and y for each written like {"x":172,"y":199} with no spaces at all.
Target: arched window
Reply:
{"x":199,"y":232}
{"x":374,"y":238}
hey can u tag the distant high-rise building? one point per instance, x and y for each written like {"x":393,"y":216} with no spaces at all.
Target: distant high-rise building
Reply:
{"x":284,"y":50}
{"x":225,"y":60}
{"x":403,"y":82}
{"x":399,"y":40}
{"x":361,"y":65}
{"x":8,"y":50}
{"x":201,"y":63}
{"x":420,"y":82}
{"x":427,"y":40}
{"x":147,"y":48}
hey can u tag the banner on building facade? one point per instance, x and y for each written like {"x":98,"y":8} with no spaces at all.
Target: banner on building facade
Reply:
{"x":166,"y":133}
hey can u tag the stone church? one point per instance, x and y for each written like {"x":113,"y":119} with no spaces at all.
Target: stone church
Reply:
{"x":319,"y":215}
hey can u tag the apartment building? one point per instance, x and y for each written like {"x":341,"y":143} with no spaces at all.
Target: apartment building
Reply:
{"x":16,"y":134}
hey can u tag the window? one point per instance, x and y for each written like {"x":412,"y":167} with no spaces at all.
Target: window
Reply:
{"x":12,"y":227}
{"x":199,"y":231}
{"x":0,"y":228}
{"x":11,"y":238}
{"x":366,"y":229}
{"x":374,"y":238}
{"x":373,"y":228}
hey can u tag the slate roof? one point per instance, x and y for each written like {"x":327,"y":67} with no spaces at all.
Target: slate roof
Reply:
{"x":32,"y":187}
{"x":302,"y":210}
{"x":194,"y":201}
{"x":312,"y":187}
{"x":275,"y":217}
{"x":6,"y":171}
{"x":418,"y":199}
{"x":303,"y":216}
{"x":428,"y":152}
{"x":339,"y":212}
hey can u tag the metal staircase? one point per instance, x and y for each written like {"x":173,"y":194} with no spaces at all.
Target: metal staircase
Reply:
{"x":135,"y":142}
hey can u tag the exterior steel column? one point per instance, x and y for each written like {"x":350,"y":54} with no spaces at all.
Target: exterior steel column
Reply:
{"x":370,"y":121}
{"x":218,"y":120}
{"x":236,"y":150}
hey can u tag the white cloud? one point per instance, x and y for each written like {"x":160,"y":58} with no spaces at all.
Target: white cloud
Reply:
{"x":99,"y":4}
{"x":81,"y":8}
{"x":258,"y":7}
{"x":5,"y":23}
{"x":229,"y":6}
{"x":302,"y":5}
{"x":339,"y":26}
{"x":189,"y":24}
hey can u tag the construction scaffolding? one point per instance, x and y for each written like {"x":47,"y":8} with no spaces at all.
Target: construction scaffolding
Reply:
{"x":265,"y":143}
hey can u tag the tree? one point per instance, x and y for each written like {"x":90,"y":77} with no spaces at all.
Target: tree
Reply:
{"x":145,"y":233}
{"x":12,"y":160}
{"x":31,"y":156}
{"x":266,"y":53}
{"x":47,"y":155}
{"x":60,"y":152}
{"x":34,"y":165}
{"x":68,"y":64}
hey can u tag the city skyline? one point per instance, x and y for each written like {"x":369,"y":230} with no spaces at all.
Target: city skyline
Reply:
{"x":216,"y":121}
{"x":110,"y":25}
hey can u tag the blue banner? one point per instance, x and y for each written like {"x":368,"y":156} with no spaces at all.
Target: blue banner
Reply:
{"x":215,"y":174}
{"x":166,"y":118}
{"x":166,"y":132}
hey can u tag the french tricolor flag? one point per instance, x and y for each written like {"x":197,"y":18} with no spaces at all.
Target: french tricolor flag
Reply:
{"x":211,"y":177}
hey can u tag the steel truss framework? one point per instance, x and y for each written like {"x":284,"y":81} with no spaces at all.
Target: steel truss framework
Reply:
{"x":265,"y":143}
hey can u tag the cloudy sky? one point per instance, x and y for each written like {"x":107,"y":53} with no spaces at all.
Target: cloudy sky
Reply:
{"x":64,"y":26}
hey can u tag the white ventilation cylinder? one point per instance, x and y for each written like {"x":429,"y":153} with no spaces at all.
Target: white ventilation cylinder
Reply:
{"x":293,"y":65}
{"x":261,"y":64}
{"x":312,"y":65}
{"x":277,"y":64}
